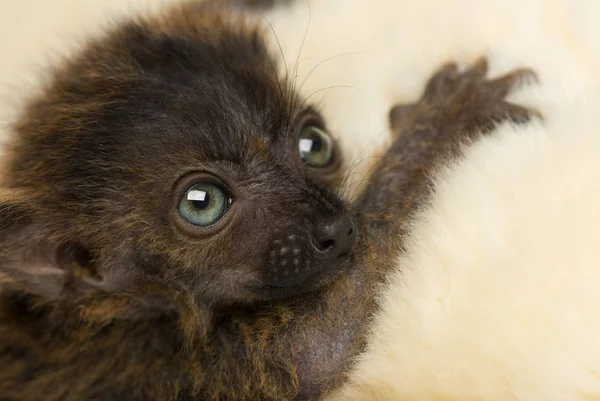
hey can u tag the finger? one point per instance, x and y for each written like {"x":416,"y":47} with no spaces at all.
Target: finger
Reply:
{"x":502,"y":86}
{"x":516,"y":114}
{"x":443,"y":81}
{"x":478,"y":70}
{"x":398,"y":117}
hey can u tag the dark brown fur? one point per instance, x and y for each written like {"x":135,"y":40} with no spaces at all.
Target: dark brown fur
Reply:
{"x":104,"y":298}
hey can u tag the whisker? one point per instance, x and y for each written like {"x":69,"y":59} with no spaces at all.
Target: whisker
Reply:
{"x":329,"y":87}
{"x":365,"y":177}
{"x":350,"y":172}
{"x":293,"y":84}
{"x":328,"y":59}
{"x":284,"y":86}
{"x":367,"y":196}
{"x":304,"y":37}
{"x":278,"y":45}
{"x":276,"y":79}
{"x":297,"y":62}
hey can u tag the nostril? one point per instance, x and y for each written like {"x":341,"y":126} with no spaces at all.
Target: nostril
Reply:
{"x":326,"y":245}
{"x":334,"y":237}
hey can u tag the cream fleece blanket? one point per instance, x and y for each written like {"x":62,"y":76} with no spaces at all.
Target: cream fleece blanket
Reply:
{"x":497,"y":297}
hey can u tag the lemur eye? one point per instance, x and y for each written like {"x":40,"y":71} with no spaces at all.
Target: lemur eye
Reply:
{"x":315,"y":146}
{"x":203,"y":204}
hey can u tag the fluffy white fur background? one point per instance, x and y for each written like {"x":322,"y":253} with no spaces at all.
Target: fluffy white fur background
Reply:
{"x":498,"y":295}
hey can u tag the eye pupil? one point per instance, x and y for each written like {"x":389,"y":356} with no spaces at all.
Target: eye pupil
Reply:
{"x":201,"y":204}
{"x":199,"y":199}
{"x":316,"y":146}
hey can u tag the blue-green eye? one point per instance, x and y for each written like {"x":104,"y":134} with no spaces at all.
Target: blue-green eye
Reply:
{"x":203,"y":204}
{"x":315,"y":146}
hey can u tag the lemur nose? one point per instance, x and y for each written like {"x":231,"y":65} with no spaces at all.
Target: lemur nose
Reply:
{"x":334,"y":236}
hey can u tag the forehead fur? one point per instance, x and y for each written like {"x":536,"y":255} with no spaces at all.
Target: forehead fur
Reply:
{"x":186,"y":79}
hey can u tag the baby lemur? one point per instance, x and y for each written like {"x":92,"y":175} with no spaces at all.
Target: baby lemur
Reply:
{"x":171,"y":227}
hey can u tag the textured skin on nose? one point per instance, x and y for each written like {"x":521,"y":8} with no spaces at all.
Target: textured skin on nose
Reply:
{"x":290,"y":259}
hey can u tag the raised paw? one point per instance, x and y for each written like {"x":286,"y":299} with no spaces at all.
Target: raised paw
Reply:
{"x":467,"y":99}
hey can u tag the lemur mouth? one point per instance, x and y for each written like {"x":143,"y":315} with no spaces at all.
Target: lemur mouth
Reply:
{"x":316,"y":281}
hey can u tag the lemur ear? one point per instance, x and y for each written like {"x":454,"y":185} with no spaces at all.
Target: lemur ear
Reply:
{"x":39,"y":261}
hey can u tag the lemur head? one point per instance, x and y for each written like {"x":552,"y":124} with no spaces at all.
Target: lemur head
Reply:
{"x":169,"y":152}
